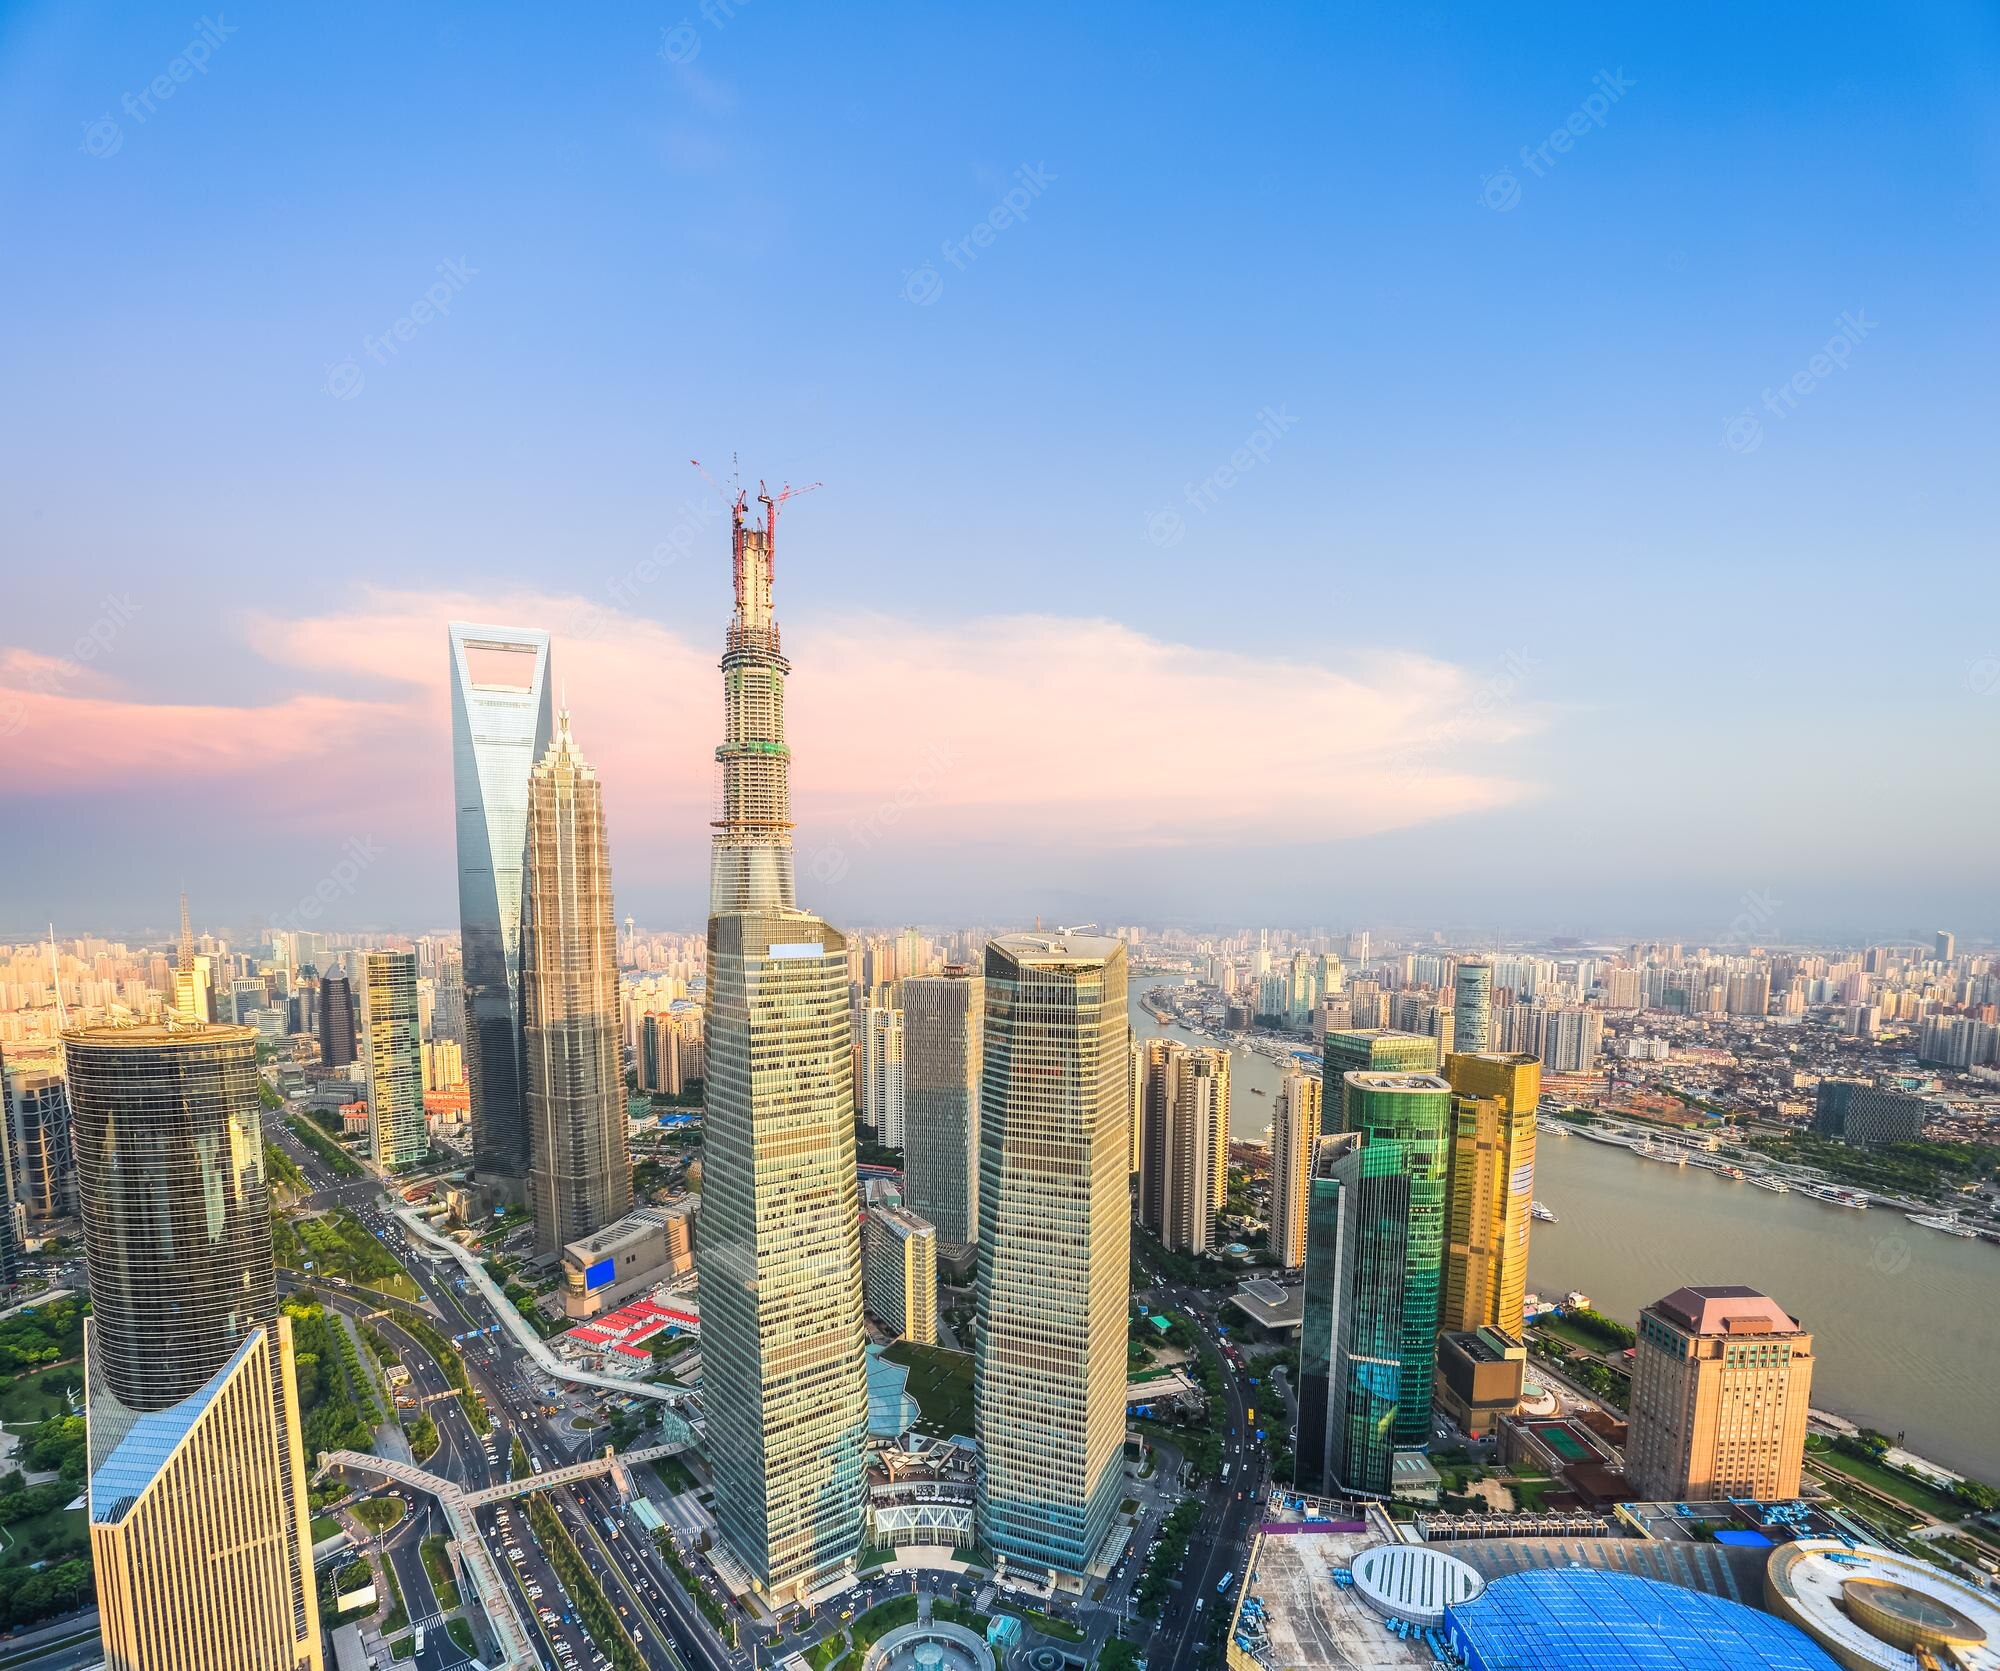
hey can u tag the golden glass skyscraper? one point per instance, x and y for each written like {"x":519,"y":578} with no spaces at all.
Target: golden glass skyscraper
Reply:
{"x":580,"y":1162}
{"x":197,"y":1491}
{"x":393,"y":1051}
{"x":1491,"y":1190}
{"x":1055,"y":1248}
{"x":784,"y":1365}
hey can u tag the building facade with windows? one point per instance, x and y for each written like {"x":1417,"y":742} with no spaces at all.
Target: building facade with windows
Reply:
{"x":500,"y":726}
{"x":1054,"y":1249}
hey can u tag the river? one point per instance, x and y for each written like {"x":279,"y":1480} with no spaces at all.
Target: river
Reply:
{"x":1903,"y":1318}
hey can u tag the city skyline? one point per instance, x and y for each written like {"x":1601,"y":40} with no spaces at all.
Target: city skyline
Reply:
{"x":1602,"y":573}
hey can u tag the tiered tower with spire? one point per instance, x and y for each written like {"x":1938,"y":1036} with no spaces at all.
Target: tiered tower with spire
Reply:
{"x":784,"y":1368}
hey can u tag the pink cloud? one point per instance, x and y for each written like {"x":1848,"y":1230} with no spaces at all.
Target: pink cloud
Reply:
{"x":1048,"y":731}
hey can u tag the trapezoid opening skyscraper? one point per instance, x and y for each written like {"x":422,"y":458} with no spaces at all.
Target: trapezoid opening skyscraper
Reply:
{"x":500,"y":726}
{"x":784,"y":1365}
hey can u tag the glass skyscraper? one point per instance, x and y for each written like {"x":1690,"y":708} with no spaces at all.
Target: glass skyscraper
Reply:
{"x":197,"y":1495}
{"x":943,"y":1018}
{"x":1472,"y":1007}
{"x":1375,"y":1221}
{"x":500,"y":726}
{"x":1055,"y":1239}
{"x":784,"y":1364}
{"x":394,"y":1053}
{"x":1493,"y":1103}
{"x":1405,"y":1120}
{"x":581,"y":1162}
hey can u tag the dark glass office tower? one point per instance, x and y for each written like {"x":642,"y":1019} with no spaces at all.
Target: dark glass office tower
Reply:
{"x":336,"y":1020}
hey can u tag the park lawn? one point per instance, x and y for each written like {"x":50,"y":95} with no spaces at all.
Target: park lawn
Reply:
{"x":461,"y":1633}
{"x":826,"y":1652}
{"x":674,"y":1474}
{"x":38,"y":1395}
{"x":1061,"y":1629}
{"x":1892,"y":1482}
{"x":882,"y":1618}
{"x":57,"y":1534}
{"x":941,"y":1383}
{"x":323,"y":1527}
{"x":378,"y":1513}
{"x":1561,"y":1328}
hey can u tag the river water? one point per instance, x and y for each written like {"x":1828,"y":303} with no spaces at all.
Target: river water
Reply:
{"x":1905,"y":1321}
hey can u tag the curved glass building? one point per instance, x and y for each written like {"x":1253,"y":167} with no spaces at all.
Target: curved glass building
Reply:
{"x":197,"y":1493}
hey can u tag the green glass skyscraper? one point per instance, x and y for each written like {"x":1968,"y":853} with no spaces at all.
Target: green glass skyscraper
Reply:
{"x":1375,"y":1229}
{"x":784,"y":1367}
{"x":1371,"y":1050}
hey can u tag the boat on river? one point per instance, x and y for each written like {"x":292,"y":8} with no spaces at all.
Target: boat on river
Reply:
{"x":1540,"y":1212}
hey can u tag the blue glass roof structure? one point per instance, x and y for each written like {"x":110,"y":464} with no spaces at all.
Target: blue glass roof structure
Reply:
{"x":890,"y":1408}
{"x":148,"y":1444}
{"x":1584,"y":1619}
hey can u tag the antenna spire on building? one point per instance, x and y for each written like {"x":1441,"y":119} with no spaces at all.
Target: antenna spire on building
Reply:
{"x":55,"y":980}
{"x":186,"y":964}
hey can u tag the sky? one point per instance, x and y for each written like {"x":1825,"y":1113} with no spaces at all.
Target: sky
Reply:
{"x":1508,"y":470}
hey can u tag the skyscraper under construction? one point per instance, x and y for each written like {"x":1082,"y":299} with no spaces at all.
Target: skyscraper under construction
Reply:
{"x":783,"y":1361}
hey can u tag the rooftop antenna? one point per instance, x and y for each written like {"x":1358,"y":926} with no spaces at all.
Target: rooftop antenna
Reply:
{"x":187,"y":937}
{"x":55,"y":980}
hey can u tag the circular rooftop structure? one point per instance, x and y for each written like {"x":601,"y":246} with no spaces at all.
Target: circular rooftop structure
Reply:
{"x":1876,"y":1607}
{"x":1587,"y":1619}
{"x":936,"y":1646}
{"x":1413,"y":1582}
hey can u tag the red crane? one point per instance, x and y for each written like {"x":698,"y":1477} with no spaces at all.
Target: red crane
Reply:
{"x":771,"y":502}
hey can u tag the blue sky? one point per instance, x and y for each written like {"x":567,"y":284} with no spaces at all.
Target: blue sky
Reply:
{"x":1515,"y":463}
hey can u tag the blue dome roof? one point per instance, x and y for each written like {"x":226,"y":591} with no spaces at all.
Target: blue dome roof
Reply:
{"x":1584,"y":1619}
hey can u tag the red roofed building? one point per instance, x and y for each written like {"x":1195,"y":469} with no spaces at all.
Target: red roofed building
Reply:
{"x":1721,"y":1378}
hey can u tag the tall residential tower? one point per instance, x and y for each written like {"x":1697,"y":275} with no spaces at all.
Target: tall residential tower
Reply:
{"x":580,"y":1164}
{"x":500,"y":725}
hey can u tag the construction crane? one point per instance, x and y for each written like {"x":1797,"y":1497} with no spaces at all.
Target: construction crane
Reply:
{"x":771,"y":502}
